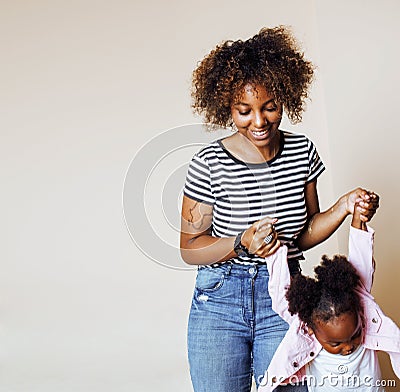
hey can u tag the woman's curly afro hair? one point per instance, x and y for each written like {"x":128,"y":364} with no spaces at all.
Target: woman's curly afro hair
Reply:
{"x":271,"y":59}
{"x":328,"y":296}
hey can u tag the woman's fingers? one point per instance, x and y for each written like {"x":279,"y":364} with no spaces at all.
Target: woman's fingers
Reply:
{"x":270,"y":249}
{"x":266,"y":222}
{"x":260,"y":238}
{"x":264,"y":242}
{"x":368,"y":206}
{"x":274,"y":248}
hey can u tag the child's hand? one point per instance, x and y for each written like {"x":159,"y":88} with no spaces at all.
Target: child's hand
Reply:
{"x":368,"y":203}
{"x":365,"y":208}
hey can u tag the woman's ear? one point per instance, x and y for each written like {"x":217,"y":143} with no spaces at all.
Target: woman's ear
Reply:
{"x":310,"y":331}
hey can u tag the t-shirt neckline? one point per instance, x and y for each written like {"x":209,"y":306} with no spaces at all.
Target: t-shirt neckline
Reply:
{"x":269,"y":162}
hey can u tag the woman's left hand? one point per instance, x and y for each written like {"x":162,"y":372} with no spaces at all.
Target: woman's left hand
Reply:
{"x":366,"y":202}
{"x":367,"y":205}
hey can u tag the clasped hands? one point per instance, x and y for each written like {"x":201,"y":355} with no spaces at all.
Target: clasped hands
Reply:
{"x":366,"y":202}
{"x":254,"y":237}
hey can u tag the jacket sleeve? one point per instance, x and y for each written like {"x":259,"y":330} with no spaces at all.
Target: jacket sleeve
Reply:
{"x":279,"y":281}
{"x":361,"y":245}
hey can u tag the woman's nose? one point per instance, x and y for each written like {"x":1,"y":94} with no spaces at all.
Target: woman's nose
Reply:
{"x":259,"y":120}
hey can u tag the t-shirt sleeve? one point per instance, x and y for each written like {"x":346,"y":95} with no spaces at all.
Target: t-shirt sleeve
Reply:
{"x":315,"y":164}
{"x":198,"y":181}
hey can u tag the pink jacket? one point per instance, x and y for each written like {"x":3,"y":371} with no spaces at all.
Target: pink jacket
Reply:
{"x":298,"y":347}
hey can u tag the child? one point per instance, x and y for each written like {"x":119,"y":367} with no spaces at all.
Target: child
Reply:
{"x":336,"y":327}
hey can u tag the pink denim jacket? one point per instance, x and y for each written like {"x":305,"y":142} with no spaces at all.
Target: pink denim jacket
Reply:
{"x":298,"y":347}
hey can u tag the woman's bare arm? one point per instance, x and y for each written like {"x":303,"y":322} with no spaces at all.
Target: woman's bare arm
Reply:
{"x":197,"y":245}
{"x":321,"y":225}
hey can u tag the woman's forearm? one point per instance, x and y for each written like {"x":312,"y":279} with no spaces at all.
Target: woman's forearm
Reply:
{"x":205,"y":249}
{"x":323,"y":224}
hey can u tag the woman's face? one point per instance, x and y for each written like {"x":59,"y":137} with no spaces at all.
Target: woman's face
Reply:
{"x":256,"y":115}
{"x":341,"y":335}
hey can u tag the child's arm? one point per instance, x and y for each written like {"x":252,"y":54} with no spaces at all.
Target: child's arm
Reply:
{"x":361,"y":240}
{"x":279,"y":280}
{"x":356,"y":222}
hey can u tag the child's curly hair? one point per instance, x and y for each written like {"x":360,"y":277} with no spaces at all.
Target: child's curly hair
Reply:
{"x":271,"y":59}
{"x":329,"y":295}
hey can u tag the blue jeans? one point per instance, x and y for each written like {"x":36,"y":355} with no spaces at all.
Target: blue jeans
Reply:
{"x":233,"y":331}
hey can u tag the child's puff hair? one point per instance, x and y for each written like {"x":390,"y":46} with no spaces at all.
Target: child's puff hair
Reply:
{"x":327,"y":296}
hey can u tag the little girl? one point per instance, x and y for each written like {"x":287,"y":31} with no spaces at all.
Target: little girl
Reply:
{"x":336,"y":327}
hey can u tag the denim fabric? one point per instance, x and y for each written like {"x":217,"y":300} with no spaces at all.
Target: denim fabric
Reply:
{"x":233,"y":331}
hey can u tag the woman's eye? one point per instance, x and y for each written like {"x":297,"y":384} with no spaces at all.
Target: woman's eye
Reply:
{"x":244,"y":113}
{"x":273,"y":109}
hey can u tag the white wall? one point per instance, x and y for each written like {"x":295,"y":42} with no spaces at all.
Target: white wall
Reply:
{"x":360,"y":63}
{"x":84,"y":86}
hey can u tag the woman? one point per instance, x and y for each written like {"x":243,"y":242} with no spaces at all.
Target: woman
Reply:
{"x":239,"y":187}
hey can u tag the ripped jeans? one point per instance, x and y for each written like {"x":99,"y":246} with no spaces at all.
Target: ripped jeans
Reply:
{"x":233,"y":331}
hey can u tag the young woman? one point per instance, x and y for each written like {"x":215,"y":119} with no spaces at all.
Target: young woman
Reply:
{"x":235,"y":189}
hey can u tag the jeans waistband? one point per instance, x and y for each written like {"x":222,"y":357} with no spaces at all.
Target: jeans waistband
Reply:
{"x":243,"y":270}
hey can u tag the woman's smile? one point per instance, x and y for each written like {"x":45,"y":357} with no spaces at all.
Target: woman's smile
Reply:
{"x":259,"y":133}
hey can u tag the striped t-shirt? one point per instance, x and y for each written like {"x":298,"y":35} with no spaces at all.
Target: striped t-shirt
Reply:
{"x":242,"y":193}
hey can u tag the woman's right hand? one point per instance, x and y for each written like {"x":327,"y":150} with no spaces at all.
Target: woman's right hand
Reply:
{"x":253,"y":237}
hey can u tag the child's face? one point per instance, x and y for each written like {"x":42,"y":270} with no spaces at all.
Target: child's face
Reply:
{"x":341,"y":335}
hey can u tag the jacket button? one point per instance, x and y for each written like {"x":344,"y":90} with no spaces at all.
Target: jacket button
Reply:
{"x":312,"y":354}
{"x":274,"y":379}
{"x":374,"y":320}
{"x":295,"y":364}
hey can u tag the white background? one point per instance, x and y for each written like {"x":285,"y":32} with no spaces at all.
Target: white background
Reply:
{"x":83,"y":86}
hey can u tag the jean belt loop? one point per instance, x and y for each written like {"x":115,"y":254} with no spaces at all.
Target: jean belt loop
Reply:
{"x":228,"y":269}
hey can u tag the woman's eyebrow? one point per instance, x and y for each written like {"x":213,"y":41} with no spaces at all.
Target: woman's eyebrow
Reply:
{"x":246,"y":104}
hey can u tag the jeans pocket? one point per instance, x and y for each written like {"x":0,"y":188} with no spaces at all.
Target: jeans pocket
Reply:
{"x":209,"y":279}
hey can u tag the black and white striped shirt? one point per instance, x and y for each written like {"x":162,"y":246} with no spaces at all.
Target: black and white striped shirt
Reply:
{"x":242,"y":193}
